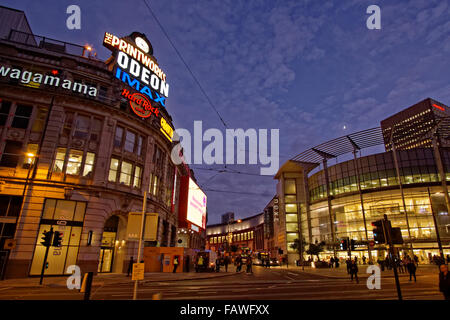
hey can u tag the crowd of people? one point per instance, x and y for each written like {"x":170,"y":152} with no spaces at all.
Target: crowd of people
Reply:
{"x":239,"y":262}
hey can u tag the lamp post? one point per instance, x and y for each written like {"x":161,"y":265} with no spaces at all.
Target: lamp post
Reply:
{"x":29,"y":164}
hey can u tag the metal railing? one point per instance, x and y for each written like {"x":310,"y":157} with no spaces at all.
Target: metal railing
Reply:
{"x":45,"y":43}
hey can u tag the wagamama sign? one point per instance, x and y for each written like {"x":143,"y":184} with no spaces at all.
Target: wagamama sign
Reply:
{"x":26,"y":77}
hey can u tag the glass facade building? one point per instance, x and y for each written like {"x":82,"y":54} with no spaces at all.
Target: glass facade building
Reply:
{"x":320,"y":202}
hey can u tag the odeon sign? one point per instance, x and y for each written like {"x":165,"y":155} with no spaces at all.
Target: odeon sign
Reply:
{"x":135,"y":66}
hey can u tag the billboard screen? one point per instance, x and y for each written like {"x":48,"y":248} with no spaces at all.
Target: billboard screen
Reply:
{"x":196,"y":208}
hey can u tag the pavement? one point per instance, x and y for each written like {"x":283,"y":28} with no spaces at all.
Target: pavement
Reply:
{"x":341,"y":272}
{"x":110,"y":278}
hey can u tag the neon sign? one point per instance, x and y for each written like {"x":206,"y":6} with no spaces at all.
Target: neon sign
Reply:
{"x":140,"y":105}
{"x":112,"y":42}
{"x":438,"y":107}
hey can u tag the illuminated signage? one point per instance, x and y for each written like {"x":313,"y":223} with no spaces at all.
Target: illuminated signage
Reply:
{"x":140,"y":105}
{"x":36,"y":79}
{"x":112,"y":42}
{"x":196,"y":209}
{"x":438,"y":107}
{"x":166,"y":129}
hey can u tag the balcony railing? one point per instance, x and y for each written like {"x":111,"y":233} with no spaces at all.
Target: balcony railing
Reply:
{"x":45,"y":43}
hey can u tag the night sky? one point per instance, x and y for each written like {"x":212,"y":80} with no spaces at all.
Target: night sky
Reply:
{"x":310,"y":68}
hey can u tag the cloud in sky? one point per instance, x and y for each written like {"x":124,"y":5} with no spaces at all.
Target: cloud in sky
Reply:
{"x":305,"y":67}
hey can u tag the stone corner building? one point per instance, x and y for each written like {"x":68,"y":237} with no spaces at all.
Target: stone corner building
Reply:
{"x":94,"y":159}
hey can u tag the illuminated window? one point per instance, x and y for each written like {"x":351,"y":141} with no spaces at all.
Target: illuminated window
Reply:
{"x":137,"y":177}
{"x":88,"y":164}
{"x":32,"y":148}
{"x":59,"y":160}
{"x":125,"y":173}
{"x":113,"y":168}
{"x":38,"y":125}
{"x":59,"y":258}
{"x":289,"y":185}
{"x":74,"y":162}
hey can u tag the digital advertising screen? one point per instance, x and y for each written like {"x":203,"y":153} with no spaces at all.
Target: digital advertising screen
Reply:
{"x":196,"y":210}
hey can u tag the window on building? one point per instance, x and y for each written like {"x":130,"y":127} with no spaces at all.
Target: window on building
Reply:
{"x":68,"y":124}
{"x":39,"y":122}
{"x":125,"y":173}
{"x":74,"y":162}
{"x":82,"y":127}
{"x":59,"y":258}
{"x":10,"y":206}
{"x":113,"y":168}
{"x":4,"y":111}
{"x":59,"y":160}
{"x":96,"y":129}
{"x":11,"y":154}
{"x":137,"y":177}
{"x":32,"y":149}
{"x":88,"y":164}
{"x":139,"y":146}
{"x":289,"y":185}
{"x":155,"y":185}
{"x":22,"y":116}
{"x":118,"y":137}
{"x":130,"y":140}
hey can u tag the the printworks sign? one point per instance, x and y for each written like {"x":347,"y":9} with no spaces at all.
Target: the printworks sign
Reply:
{"x":135,"y":66}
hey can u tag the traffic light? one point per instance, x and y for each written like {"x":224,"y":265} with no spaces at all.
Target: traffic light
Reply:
{"x":378,"y":232}
{"x":344,"y":244}
{"x":57,"y":239}
{"x":397,"y":237}
{"x":47,"y":238}
{"x":352,"y":244}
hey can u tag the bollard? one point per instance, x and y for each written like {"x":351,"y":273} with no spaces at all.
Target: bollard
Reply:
{"x":156,"y":296}
{"x":88,"y":285}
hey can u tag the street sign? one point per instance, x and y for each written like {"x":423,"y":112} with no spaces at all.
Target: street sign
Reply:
{"x":9,"y":244}
{"x":138,"y":271}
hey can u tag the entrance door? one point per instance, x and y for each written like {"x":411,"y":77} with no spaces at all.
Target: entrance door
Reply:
{"x":106,"y":259}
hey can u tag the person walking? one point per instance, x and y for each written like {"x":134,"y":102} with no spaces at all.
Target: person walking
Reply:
{"x":249,"y":265}
{"x":199,"y":263}
{"x":444,"y":281}
{"x":348,"y":262}
{"x":416,"y":260}
{"x":364,"y":259}
{"x":331,"y":262}
{"x":217,"y":264}
{"x":411,"y":266}
{"x":130,"y":267}
{"x":225,"y":263}
{"x":238,"y":263}
{"x":354,"y":271}
{"x":175,"y":264}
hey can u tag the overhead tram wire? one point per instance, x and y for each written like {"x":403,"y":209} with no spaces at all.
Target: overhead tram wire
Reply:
{"x":232,"y":172}
{"x":241,"y":192}
{"x":185,"y":64}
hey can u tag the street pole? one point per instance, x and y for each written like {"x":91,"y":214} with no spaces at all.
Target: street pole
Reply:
{"x":141,"y":235}
{"x":387,"y":229}
{"x":45,"y":257}
{"x":441,"y":251}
